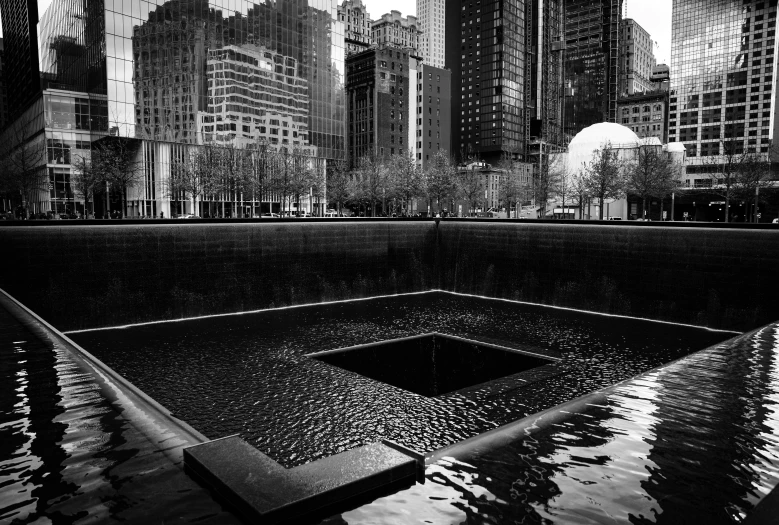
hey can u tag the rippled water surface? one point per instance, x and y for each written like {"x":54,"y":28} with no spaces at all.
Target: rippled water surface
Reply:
{"x":694,"y":442}
{"x":68,"y":456}
{"x":249,"y":374}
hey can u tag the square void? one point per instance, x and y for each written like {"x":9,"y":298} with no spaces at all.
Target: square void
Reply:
{"x":432,"y":364}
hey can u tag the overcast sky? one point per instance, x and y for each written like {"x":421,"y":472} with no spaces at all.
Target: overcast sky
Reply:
{"x":652,"y":15}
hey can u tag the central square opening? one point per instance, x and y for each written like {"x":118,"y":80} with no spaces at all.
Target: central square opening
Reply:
{"x":432,"y":364}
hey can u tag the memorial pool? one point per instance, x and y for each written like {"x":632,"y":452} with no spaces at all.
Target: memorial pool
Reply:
{"x":250,"y":374}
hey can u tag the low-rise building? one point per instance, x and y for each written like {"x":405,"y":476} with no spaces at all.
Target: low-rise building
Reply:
{"x":393,"y":29}
{"x":377,"y":103}
{"x":646,"y":114}
{"x":357,"y":26}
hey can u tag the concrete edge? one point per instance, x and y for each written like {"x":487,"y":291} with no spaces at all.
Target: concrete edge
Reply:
{"x":261,"y":490}
{"x":140,"y":410}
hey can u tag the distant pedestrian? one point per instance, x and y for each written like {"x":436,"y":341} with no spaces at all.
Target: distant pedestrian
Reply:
{"x":162,"y":215}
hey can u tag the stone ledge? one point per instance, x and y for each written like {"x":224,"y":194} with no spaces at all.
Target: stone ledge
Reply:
{"x":261,"y":490}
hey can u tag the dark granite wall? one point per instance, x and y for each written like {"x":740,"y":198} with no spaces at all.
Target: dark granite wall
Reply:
{"x":82,"y":276}
{"x":725,"y":278}
{"x":104,"y":275}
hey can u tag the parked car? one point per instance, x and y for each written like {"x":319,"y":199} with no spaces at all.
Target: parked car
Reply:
{"x":270,"y":215}
{"x":187,"y":216}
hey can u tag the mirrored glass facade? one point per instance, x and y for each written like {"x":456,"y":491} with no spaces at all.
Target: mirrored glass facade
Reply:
{"x":723,"y":79}
{"x":205,"y":71}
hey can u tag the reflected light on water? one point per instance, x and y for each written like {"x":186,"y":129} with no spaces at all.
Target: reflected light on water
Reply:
{"x":695,"y":441}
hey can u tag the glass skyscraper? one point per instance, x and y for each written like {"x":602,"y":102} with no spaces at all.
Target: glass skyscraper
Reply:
{"x":723,"y":81}
{"x":591,"y":62}
{"x":20,"y":53}
{"x":169,"y":76}
{"x":199,"y":71}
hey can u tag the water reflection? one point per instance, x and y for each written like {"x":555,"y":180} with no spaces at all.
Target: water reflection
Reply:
{"x":67,"y":455}
{"x":694,"y":442}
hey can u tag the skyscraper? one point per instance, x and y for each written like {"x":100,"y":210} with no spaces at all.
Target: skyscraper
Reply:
{"x":637,"y":59}
{"x":3,"y":90}
{"x":432,"y":17}
{"x":485,"y":50}
{"x":723,"y":82}
{"x":20,"y":42}
{"x":506,"y":76}
{"x":591,"y":62}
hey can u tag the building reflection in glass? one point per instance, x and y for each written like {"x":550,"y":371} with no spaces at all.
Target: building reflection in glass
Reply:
{"x":193,"y":72}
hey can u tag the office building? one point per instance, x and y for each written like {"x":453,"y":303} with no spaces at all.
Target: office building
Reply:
{"x":646,"y":114}
{"x":3,"y":90}
{"x":506,"y":77}
{"x":433,"y":112}
{"x":393,"y":29}
{"x":637,"y":59}
{"x":431,"y":15}
{"x":357,"y":26}
{"x":723,"y":82}
{"x":660,"y":77}
{"x":592,"y":30}
{"x":20,"y":50}
{"x":485,"y":51}
{"x":378,"y":104}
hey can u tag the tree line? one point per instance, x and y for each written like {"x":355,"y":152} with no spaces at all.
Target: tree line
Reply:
{"x":646,"y":172}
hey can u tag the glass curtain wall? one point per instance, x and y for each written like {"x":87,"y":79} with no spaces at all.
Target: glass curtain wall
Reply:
{"x":723,"y":64}
{"x":226,"y":72}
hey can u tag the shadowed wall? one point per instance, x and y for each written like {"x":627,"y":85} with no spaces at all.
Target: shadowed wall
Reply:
{"x":102,"y":275}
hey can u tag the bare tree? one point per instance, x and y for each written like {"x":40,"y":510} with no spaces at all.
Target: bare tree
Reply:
{"x":338,"y":184}
{"x":408,"y":178}
{"x":318,"y":184}
{"x":84,"y":181}
{"x":198,"y":174}
{"x":605,"y":178}
{"x":23,"y":162}
{"x":650,"y":173}
{"x":440,"y":178}
{"x":301,"y":174}
{"x":262,"y":163}
{"x":752,"y":175}
{"x":562,"y":175}
{"x":727,"y":166}
{"x":374,"y":179}
{"x":115,"y":160}
{"x":470,"y":184}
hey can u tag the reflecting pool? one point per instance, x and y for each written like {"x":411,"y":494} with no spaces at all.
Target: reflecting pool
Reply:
{"x":694,"y":442}
{"x":250,"y":374}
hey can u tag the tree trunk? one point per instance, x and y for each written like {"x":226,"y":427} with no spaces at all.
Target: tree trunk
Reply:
{"x":643,"y":208}
{"x":600,"y":208}
{"x":727,"y":206}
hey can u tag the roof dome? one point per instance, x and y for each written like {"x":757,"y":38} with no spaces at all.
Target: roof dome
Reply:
{"x":593,"y":137}
{"x":675,"y":147}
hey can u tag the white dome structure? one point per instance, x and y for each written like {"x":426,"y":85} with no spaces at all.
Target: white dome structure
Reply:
{"x":589,"y":139}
